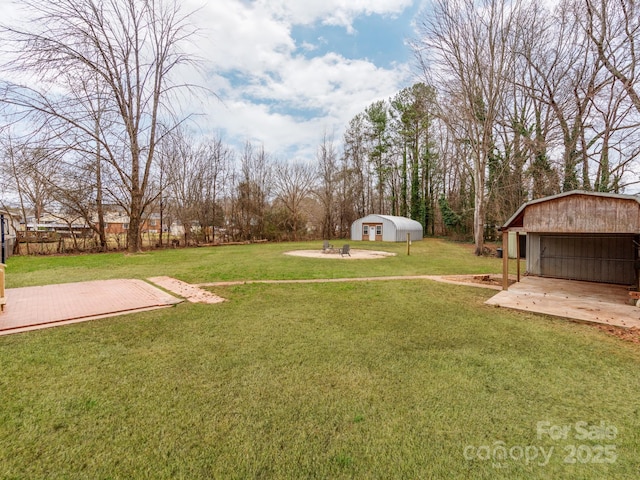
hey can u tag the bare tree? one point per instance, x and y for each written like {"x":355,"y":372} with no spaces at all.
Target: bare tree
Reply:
{"x":326,"y":191}
{"x":614,"y":144}
{"x":183,"y":172}
{"x":129,"y":49}
{"x":253,"y":189}
{"x":216,"y":158}
{"x":75,"y":191}
{"x":532,"y":116}
{"x":293,"y":184}
{"x":465,"y":46}
{"x":31,"y":170}
{"x":614,"y":26}
{"x":567,"y":78}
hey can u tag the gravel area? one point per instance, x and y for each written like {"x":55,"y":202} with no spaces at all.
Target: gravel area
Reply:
{"x":356,"y":254}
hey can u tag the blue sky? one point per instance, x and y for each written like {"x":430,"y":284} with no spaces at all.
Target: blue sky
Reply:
{"x":286,"y":71}
{"x":378,"y":38}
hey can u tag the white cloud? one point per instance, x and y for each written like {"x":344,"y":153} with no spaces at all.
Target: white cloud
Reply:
{"x":237,"y":36}
{"x":330,"y":12}
{"x":267,"y":83}
{"x":308,"y":47}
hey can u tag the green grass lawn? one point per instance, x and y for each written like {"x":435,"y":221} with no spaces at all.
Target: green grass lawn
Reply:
{"x":250,"y":262}
{"x":411,"y":379}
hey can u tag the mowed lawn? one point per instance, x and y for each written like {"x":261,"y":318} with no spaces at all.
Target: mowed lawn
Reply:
{"x":251,"y":262}
{"x":397,"y":379}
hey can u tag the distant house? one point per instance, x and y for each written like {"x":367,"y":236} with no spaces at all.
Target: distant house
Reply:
{"x":385,"y":228}
{"x":116,"y":223}
{"x":152,"y":223}
{"x":65,"y":225}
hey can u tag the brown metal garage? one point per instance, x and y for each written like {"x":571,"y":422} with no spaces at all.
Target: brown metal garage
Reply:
{"x":579,"y":235}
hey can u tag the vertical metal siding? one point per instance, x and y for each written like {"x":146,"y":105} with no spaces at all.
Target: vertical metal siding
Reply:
{"x":388,"y":230}
{"x":356,"y":230}
{"x":594,"y":258}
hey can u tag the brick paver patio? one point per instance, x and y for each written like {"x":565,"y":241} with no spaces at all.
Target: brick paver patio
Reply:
{"x":30,"y":308}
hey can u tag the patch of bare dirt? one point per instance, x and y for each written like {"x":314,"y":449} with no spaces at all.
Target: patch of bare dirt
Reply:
{"x":628,"y":334}
{"x":483,"y":279}
{"x":488,"y":249}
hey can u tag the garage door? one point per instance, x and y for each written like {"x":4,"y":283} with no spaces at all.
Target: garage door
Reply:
{"x":596,"y":258}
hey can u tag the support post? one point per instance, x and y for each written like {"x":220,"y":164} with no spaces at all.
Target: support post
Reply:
{"x":518,"y":253}
{"x":3,"y":245}
{"x":408,"y":244}
{"x":505,"y":260}
{"x":3,"y":299}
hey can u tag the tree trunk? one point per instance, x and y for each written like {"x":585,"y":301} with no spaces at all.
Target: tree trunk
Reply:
{"x":133,"y":236}
{"x":99,"y":206}
{"x":478,"y":207}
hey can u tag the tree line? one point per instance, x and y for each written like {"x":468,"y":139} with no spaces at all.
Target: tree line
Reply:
{"x":512,"y":102}
{"x":533,"y":102}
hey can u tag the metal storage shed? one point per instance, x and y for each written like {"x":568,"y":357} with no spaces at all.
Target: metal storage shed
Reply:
{"x":385,"y":228}
{"x":579,"y":235}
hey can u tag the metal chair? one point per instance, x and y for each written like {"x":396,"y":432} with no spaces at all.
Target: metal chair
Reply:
{"x":327,"y":247}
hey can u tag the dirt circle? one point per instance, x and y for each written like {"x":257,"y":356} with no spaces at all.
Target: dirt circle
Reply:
{"x":355,"y":254}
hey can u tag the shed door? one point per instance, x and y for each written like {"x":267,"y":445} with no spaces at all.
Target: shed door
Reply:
{"x":592,"y":258}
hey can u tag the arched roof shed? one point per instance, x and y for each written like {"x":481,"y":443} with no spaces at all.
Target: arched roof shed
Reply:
{"x":385,"y":228}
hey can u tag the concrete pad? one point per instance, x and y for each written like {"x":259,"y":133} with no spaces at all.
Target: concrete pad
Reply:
{"x":186,"y":290}
{"x":586,"y":301}
{"x":30,"y":308}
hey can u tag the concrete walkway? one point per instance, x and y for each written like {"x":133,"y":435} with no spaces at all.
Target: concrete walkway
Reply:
{"x":192,"y":293}
{"x":453,"y":279}
{"x":586,"y":301}
{"x":31,"y":308}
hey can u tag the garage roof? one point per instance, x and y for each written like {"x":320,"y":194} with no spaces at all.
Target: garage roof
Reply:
{"x":401,"y":223}
{"x":578,"y":211}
